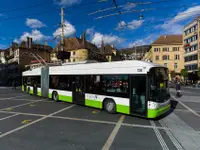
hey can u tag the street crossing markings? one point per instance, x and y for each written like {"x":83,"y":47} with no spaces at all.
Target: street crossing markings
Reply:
{"x":36,"y":121}
{"x":8,"y":117}
{"x":159,"y":136}
{"x":172,"y":138}
{"x":113,"y":134}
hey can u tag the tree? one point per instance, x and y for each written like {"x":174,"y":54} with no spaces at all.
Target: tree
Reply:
{"x":184,"y":73}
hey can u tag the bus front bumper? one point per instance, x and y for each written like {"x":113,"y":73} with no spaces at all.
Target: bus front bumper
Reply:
{"x":154,"y":113}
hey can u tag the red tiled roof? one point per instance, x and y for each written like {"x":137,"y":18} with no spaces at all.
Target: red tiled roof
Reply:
{"x":169,"y":39}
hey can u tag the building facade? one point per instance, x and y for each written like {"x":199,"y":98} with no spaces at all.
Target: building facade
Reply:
{"x":80,"y":50}
{"x":135,"y":53}
{"x":191,"y":43}
{"x":19,"y":56}
{"x":168,"y":51}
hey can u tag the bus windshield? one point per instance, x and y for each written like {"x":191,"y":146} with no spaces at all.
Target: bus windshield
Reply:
{"x":159,"y":91}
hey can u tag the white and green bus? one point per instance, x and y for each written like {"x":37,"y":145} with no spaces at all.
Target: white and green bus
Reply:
{"x":130,"y":87}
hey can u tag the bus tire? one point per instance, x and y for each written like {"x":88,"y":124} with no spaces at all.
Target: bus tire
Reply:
{"x":110,"y":106}
{"x":55,"y":96}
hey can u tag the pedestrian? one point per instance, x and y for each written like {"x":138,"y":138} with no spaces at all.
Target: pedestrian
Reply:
{"x":178,"y":88}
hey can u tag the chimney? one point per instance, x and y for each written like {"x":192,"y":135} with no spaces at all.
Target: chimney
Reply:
{"x":29,"y":42}
{"x":165,"y":36}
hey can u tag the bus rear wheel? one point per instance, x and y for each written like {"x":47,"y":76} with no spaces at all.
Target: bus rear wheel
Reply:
{"x":110,"y":106}
{"x":55,"y":96}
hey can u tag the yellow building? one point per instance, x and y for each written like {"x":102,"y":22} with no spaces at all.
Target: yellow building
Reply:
{"x":191,"y":42}
{"x":80,"y":49}
{"x":168,"y":51}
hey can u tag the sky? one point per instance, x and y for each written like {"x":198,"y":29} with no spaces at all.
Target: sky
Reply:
{"x":40,"y":20}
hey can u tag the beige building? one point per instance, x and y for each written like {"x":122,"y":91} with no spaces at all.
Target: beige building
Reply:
{"x":191,"y":40}
{"x":168,"y":51}
{"x":82,"y":50}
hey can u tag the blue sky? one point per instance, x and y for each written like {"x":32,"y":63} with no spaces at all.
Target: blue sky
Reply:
{"x":39,"y":19}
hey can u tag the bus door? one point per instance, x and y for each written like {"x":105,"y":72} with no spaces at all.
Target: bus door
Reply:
{"x":78,"y":90}
{"x":138,"y":99}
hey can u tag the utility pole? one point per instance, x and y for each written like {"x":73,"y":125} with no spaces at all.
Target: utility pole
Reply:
{"x":62,"y":28}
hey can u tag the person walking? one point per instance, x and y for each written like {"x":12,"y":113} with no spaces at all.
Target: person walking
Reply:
{"x":178,"y":88}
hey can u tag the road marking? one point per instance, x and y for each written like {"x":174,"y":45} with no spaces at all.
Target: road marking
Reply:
{"x":26,"y":121}
{"x":36,"y":121}
{"x":184,"y":110}
{"x":172,"y":138}
{"x":159,"y":136}
{"x":144,"y":126}
{"x":113,"y":134}
{"x":8,"y":117}
{"x":191,"y":110}
{"x":12,"y":107}
{"x":85,"y":120}
{"x":13,"y":97}
{"x":20,"y":113}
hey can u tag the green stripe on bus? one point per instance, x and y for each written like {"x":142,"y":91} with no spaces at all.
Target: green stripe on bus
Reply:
{"x":123,"y":109}
{"x":50,"y":95}
{"x":39,"y":93}
{"x":65,"y":98}
{"x":93,"y":103}
{"x":23,"y":88}
{"x":153,"y":113}
{"x":31,"y":91}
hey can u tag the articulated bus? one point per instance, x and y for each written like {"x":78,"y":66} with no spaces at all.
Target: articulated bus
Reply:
{"x":130,"y":87}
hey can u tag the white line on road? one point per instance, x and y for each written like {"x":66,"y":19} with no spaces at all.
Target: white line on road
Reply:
{"x":159,"y":136}
{"x":36,"y":121}
{"x":20,"y":113}
{"x":172,"y":138}
{"x":13,"y":97}
{"x":113,"y":134}
{"x":191,"y":110}
{"x":16,"y":106}
{"x":8,"y":117}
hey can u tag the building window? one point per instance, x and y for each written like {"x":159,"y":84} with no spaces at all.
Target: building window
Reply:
{"x":165,"y":64}
{"x":191,"y":67}
{"x":175,"y":49}
{"x":74,"y":60}
{"x":74,"y":52}
{"x":165,"y":49}
{"x":157,"y":57}
{"x":191,"y":58}
{"x":175,"y":65}
{"x":156,"y":49}
{"x":165,"y":57}
{"x":191,"y":48}
{"x":177,"y":57}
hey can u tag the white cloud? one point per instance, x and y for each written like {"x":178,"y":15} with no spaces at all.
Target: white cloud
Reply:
{"x":132,"y":25}
{"x":129,"y":6}
{"x":174,"y":25}
{"x":146,"y":41}
{"x":66,"y":2}
{"x":34,"y":23}
{"x":90,"y":31}
{"x":97,"y":37}
{"x":68,"y":31}
{"x":36,"y":35}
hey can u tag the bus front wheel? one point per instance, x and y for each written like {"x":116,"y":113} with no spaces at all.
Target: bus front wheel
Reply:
{"x":110,"y":106}
{"x":55,"y":96}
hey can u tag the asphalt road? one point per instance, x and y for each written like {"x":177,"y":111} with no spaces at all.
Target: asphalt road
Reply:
{"x":35,"y":123}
